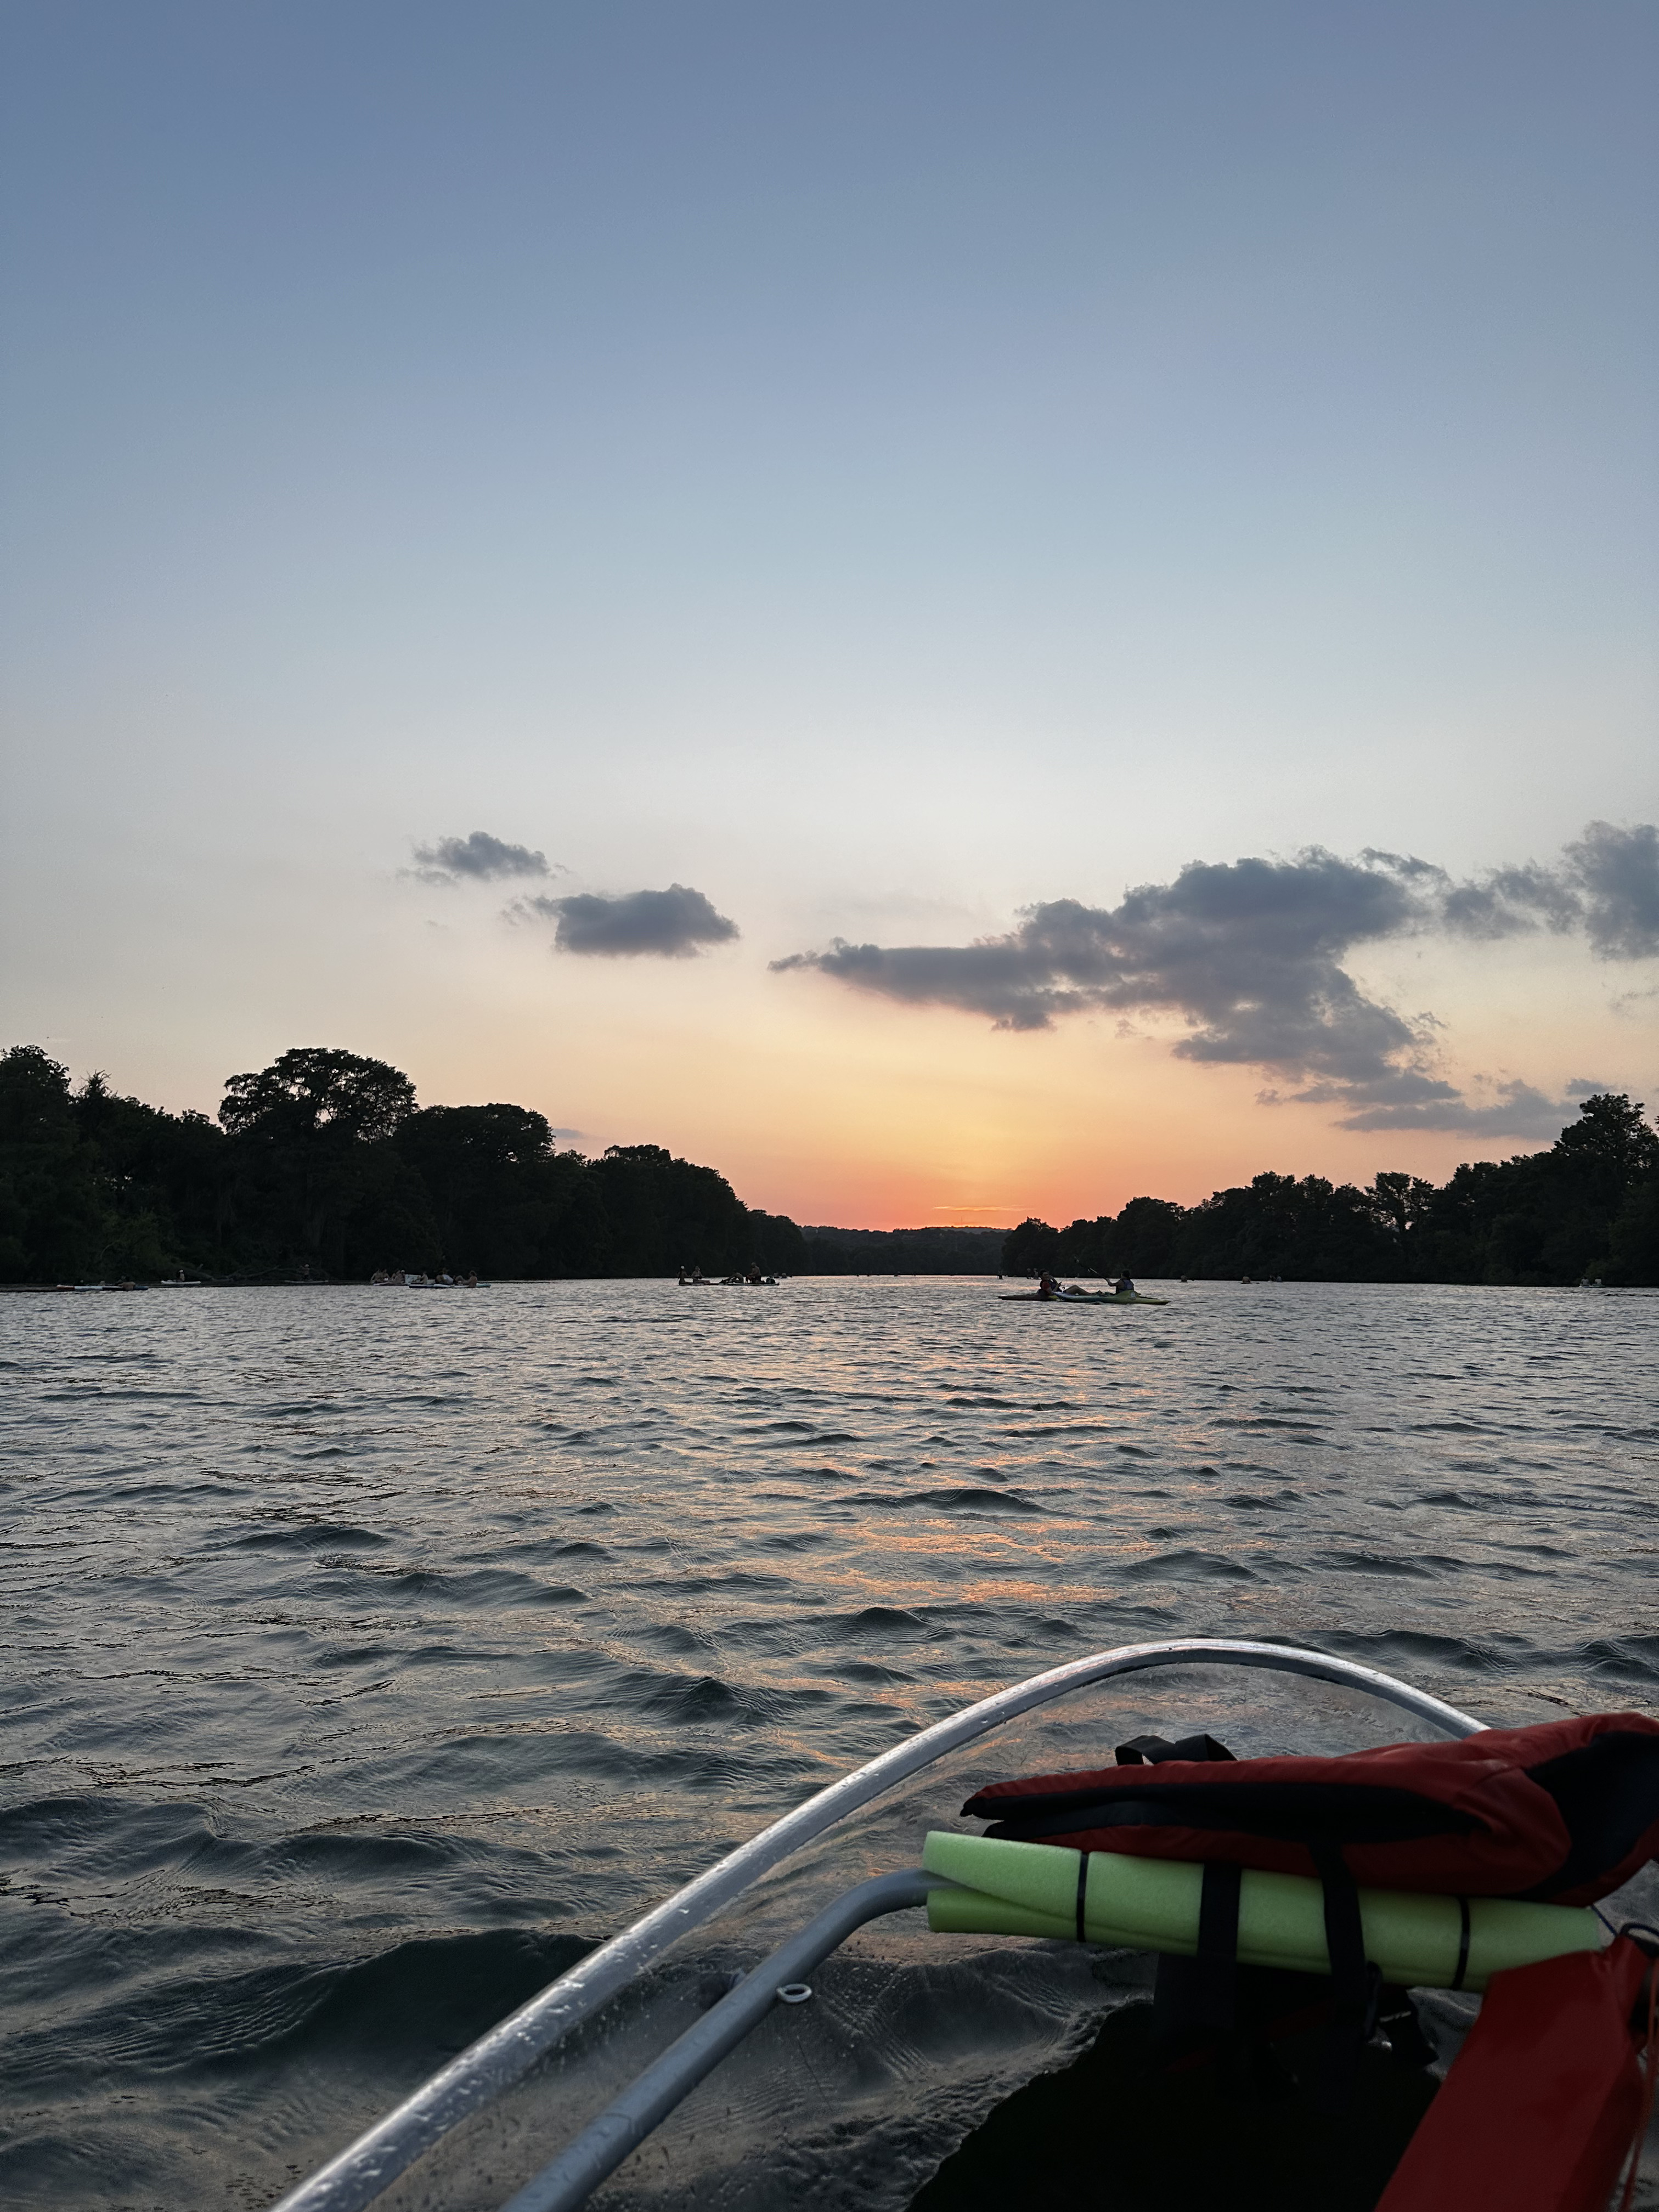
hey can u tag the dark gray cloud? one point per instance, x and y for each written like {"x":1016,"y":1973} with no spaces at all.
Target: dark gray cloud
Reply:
{"x":479,"y":859}
{"x":672,"y":924}
{"x":1618,"y":872}
{"x":1607,"y":886}
{"x":1248,"y":953}
{"x":1506,"y":1109}
{"x":1509,"y":902}
{"x":1251,"y":954}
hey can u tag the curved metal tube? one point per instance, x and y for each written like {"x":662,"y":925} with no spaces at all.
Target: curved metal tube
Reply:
{"x":600,"y":2148}
{"x":356,"y":2175}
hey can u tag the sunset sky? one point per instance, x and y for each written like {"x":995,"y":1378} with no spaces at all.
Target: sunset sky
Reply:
{"x":956,"y":610}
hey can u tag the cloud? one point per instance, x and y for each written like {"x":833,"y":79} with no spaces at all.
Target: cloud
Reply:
{"x":1618,"y":871}
{"x":1249,"y":954}
{"x":1248,"y":951}
{"x":672,"y":925}
{"x":1513,"y":1109}
{"x":482,"y":857}
{"x":1608,"y":886}
{"x":1509,"y":903}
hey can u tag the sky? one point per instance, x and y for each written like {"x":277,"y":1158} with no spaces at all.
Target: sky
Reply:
{"x":959,"y":610}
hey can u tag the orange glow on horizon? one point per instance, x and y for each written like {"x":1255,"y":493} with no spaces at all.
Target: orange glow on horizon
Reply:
{"x":833,"y":1106}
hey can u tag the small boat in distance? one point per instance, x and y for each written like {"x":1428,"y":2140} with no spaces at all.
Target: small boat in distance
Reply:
{"x":398,"y":1280}
{"x":693,"y":1279}
{"x":1051,"y":1293}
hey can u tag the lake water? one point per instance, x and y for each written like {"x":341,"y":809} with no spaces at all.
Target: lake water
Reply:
{"x":366,"y":1654}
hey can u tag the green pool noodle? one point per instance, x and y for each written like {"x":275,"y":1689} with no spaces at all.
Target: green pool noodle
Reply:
{"x":1151,"y":1904}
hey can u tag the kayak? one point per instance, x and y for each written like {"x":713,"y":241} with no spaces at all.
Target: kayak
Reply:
{"x":1077,"y":1299}
{"x":866,"y":2007}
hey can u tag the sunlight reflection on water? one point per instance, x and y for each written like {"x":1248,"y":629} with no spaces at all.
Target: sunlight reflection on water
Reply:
{"x":344,"y":1621}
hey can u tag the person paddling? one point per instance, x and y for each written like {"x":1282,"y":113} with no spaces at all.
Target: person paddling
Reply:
{"x":1125,"y":1287}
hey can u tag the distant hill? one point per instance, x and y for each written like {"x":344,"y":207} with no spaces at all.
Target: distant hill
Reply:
{"x":965,"y":1251}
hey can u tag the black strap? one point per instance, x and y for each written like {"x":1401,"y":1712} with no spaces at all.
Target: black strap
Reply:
{"x":1195,"y":2001}
{"x":1214,"y":1985}
{"x":1345,"y":1932}
{"x":1462,"y":1943}
{"x":1082,"y":1892}
{"x":1154,"y":1750}
{"x":1356,"y":1986}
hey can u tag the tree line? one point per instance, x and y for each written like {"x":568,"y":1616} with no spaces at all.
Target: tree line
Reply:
{"x":323,"y":1167}
{"x":1586,"y":1208}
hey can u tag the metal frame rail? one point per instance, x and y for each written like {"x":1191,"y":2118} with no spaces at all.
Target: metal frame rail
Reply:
{"x":600,"y":2148}
{"x":355,"y":2176}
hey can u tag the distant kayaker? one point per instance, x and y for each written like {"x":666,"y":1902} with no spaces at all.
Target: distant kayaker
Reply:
{"x":1047,"y":1287}
{"x":1125,"y":1287}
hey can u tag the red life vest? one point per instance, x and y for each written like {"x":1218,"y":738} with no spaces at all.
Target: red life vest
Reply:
{"x":1561,"y":1813}
{"x":1544,"y":2101}
{"x":1545,"y":2097}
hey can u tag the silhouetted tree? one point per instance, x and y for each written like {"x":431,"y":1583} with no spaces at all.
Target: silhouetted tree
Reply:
{"x":664,"y":1214}
{"x":164,"y":1180}
{"x":1145,"y":1239}
{"x":1590,"y":1204}
{"x":498,"y":1192}
{"x":318,"y":1188}
{"x":779,"y":1245}
{"x":1611,"y":1137}
{"x":53,"y":1227}
{"x":1030,"y":1250}
{"x":322,"y":1165}
{"x":935,"y":1251}
{"x":309,"y":1091}
{"x":1633,"y":1240}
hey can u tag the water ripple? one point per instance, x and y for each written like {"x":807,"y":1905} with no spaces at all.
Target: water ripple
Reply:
{"x":365,"y":1658}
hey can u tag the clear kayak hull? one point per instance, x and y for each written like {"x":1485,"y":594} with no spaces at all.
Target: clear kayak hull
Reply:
{"x":857,"y":2095}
